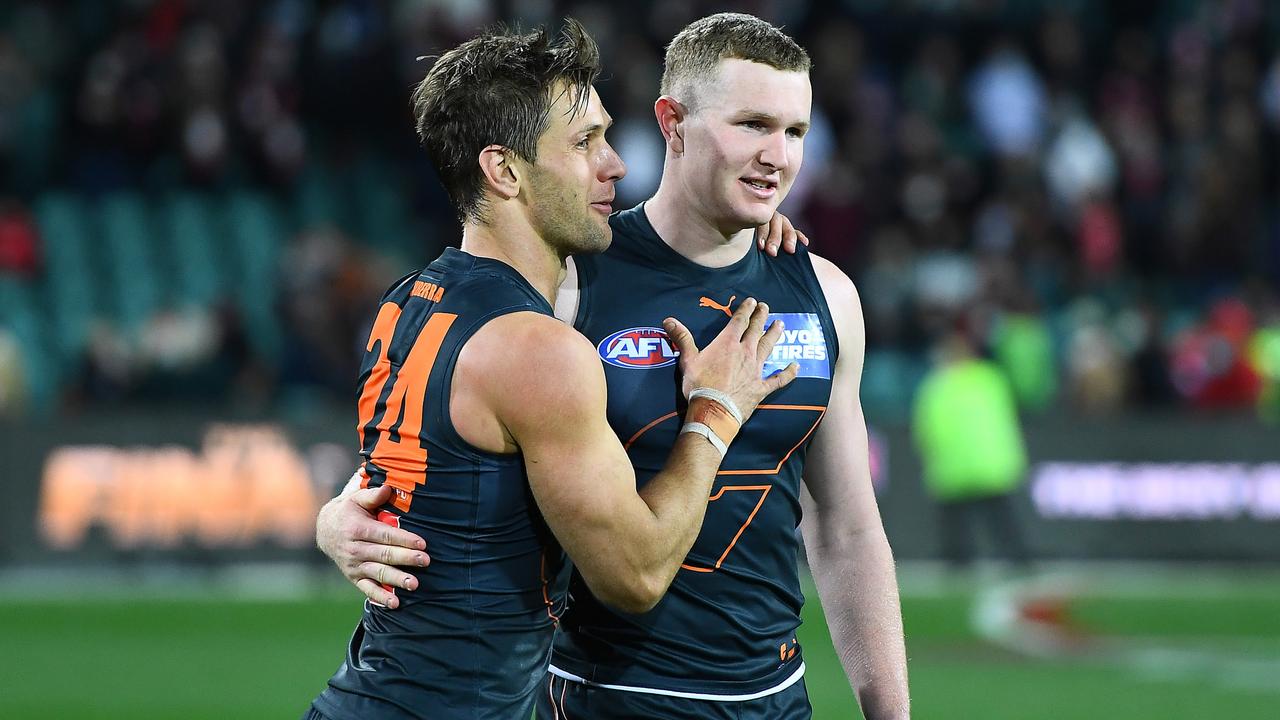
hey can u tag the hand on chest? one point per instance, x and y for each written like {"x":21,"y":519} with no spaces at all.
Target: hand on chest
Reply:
{"x":641,"y":373}
{"x":638,"y":341}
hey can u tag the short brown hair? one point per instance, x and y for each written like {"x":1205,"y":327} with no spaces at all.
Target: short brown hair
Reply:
{"x":697,"y":50}
{"x":496,"y":89}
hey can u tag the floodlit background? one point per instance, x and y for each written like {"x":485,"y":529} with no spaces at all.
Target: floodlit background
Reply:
{"x":200,"y":203}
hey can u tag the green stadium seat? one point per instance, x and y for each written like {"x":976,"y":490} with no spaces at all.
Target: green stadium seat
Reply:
{"x":256,"y":234}
{"x":21,"y":315}
{"x":129,"y":257}
{"x":72,"y":286}
{"x":382,"y":207}
{"x":319,"y":200}
{"x":195,"y":242}
{"x":38,"y":125}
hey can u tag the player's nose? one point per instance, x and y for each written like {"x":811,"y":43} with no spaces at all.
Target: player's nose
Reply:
{"x":773,"y":153}
{"x":611,"y":166}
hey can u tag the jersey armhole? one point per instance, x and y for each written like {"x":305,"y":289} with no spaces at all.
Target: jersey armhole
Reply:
{"x":828,"y":320}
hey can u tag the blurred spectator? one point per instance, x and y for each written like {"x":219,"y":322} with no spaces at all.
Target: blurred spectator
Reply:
{"x":1119,"y":173}
{"x":328,"y":290}
{"x":1264,"y":358}
{"x":1210,"y":361}
{"x":965,"y":424}
{"x":1152,"y":380}
{"x":110,"y":367}
{"x":19,"y":241}
{"x":1008,"y":101}
{"x":1095,"y":365}
{"x":1023,"y":348}
{"x":1269,"y":94}
{"x":1079,"y":163}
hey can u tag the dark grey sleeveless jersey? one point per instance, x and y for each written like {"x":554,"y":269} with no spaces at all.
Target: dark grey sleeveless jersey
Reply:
{"x":472,"y":641}
{"x":727,"y":625}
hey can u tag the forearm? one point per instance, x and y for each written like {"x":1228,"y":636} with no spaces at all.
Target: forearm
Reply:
{"x":677,"y":497}
{"x":677,"y":500}
{"x":859,"y":591}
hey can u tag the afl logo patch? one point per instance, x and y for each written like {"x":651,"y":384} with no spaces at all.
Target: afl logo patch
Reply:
{"x":638,"y":347}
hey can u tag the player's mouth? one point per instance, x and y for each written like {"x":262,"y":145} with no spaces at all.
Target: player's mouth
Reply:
{"x":763,"y":188}
{"x":603,"y":206}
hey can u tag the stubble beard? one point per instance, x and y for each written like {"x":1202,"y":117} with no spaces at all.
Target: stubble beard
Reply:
{"x":567,"y":226}
{"x":579,"y":238}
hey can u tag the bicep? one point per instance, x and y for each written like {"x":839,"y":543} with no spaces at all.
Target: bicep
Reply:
{"x":579,"y":473}
{"x":582,"y":480}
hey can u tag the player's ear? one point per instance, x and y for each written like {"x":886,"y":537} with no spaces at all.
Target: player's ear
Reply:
{"x":501,"y":174}
{"x":671,"y":114}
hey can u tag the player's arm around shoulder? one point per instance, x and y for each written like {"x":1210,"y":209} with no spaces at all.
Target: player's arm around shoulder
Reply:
{"x":844,"y":537}
{"x":545,"y":388}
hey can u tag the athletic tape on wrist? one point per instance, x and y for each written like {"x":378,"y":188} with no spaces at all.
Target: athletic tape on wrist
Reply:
{"x":709,"y":413}
{"x":708,"y":433}
{"x":722,"y":398}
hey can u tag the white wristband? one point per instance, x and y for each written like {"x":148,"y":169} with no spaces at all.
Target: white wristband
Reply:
{"x":708,"y":433}
{"x":722,"y":398}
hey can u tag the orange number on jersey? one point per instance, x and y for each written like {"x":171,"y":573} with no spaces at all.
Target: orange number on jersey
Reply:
{"x":764,"y":493}
{"x":404,"y":460}
{"x":820,"y":410}
{"x":383,"y":329}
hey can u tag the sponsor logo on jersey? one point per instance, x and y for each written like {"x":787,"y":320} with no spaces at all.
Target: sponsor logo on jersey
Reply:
{"x":802,"y":342}
{"x":638,"y":347}
{"x":726,"y":308}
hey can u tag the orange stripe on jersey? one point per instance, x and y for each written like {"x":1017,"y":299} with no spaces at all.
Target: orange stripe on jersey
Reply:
{"x":777,"y":468}
{"x":546,"y":596}
{"x":405,"y":461}
{"x":820,"y":409}
{"x":647,"y":428}
{"x":383,"y":329}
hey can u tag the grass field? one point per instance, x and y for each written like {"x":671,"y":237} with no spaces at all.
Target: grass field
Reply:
{"x":1176,"y":647}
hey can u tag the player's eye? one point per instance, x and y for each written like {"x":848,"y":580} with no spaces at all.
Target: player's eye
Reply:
{"x":795,"y":132}
{"x":584,"y":143}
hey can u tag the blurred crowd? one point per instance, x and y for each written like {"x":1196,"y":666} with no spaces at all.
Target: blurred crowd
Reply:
{"x":1090,"y":189}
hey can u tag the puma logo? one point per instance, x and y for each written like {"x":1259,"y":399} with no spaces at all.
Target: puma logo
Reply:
{"x":707,"y":302}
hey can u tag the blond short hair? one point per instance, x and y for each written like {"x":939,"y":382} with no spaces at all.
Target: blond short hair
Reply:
{"x":697,"y":50}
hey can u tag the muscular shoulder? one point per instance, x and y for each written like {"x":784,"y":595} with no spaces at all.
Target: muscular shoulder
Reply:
{"x":836,"y":285}
{"x":846,"y":311}
{"x":531,"y":364}
{"x":525,"y":339}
